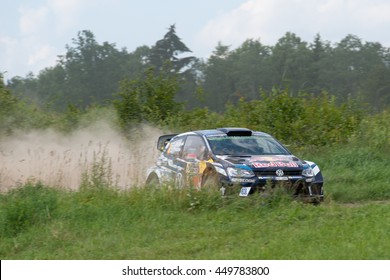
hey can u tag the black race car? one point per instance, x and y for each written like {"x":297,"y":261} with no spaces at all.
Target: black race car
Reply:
{"x":225,"y":158}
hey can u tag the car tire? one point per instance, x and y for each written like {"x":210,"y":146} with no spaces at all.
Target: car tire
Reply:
{"x":180,"y":181}
{"x":210,"y":181}
{"x":152,"y":181}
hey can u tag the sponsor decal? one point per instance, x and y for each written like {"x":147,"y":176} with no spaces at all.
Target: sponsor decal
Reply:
{"x":243,"y":180}
{"x":275,"y":164}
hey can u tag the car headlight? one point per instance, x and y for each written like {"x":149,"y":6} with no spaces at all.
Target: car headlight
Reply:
{"x":308,"y":172}
{"x":240,"y":172}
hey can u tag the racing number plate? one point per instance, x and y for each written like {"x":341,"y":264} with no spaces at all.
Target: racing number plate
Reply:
{"x":245,"y":191}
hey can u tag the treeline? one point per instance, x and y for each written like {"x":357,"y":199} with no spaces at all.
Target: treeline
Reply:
{"x":303,"y":94}
{"x":303,"y":120}
{"x":91,"y":73}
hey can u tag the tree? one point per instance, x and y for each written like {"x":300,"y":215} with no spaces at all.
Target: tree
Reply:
{"x":17,"y":114}
{"x":24,"y":88}
{"x":320,"y":50}
{"x":358,"y":70}
{"x":8,"y":101}
{"x":375,"y":83}
{"x":137,"y":62}
{"x":345,"y":67}
{"x":168,"y":50}
{"x":51,"y":87}
{"x":92,"y":70}
{"x":251,"y":64}
{"x":167,"y":53}
{"x":219,"y":84}
{"x":290,"y":59}
{"x":149,"y":98}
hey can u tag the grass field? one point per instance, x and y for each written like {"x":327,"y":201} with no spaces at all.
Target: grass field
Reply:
{"x":100,"y":221}
{"x":137,"y":225}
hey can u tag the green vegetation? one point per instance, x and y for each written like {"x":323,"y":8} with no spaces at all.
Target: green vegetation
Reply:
{"x":362,"y":164}
{"x":149,"y":98}
{"x":90,"y":72}
{"x":101,"y":222}
{"x":43,"y":223}
{"x":300,"y":94}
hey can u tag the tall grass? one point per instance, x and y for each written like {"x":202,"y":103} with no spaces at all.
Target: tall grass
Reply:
{"x":360,"y":169}
{"x":101,"y":220}
{"x":30,"y":205}
{"x":105,"y":223}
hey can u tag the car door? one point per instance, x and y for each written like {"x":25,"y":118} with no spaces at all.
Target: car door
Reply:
{"x":194,"y":155}
{"x":171,"y":161}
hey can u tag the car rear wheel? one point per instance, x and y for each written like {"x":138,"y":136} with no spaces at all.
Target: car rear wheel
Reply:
{"x":153,"y":181}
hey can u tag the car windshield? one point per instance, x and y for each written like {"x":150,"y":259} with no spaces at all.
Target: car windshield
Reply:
{"x":246,"y":145}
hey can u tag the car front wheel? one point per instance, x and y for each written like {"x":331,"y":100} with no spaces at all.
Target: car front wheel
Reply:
{"x":180,"y":180}
{"x":210,"y":181}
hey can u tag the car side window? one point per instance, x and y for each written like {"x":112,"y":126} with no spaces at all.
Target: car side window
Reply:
{"x":194,"y":148}
{"x":174,"y":147}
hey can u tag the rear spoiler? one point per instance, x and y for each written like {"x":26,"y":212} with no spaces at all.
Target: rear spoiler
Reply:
{"x":163,"y":140}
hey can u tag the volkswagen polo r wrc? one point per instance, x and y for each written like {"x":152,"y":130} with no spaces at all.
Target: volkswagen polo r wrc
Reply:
{"x":233,"y":159}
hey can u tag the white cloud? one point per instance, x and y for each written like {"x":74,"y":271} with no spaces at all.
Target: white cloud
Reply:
{"x":269,"y":20}
{"x":328,"y":6}
{"x":237,"y":25}
{"x":33,"y":33}
{"x":43,"y":56}
{"x":51,"y":15}
{"x":8,"y":46}
{"x":25,"y":53}
{"x":376,"y":15}
{"x":42,"y":25}
{"x":32,"y":19}
{"x":66,"y":13}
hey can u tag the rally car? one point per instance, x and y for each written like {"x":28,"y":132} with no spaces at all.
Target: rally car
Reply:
{"x":233,"y":160}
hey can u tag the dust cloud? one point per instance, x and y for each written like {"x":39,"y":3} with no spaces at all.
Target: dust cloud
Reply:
{"x":61,"y":160}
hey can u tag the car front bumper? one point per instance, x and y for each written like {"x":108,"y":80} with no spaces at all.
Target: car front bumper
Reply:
{"x":299,"y":186}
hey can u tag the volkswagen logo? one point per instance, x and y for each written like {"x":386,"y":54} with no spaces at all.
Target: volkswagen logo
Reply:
{"x":279,"y":173}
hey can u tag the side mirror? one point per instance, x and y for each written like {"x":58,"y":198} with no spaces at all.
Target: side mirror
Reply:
{"x":163,"y":140}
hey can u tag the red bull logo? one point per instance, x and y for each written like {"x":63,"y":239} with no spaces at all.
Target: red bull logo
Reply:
{"x":275,"y":164}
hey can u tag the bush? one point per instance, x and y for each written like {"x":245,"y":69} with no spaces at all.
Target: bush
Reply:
{"x":149,"y":98}
{"x":26,"y":206}
{"x":15,"y":114}
{"x":196,"y":119}
{"x":303,"y":120}
{"x":374,"y":133}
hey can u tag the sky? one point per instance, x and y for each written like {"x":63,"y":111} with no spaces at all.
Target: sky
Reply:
{"x":34,"y":33}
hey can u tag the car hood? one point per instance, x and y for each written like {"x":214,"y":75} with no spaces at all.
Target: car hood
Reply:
{"x":264,"y":162}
